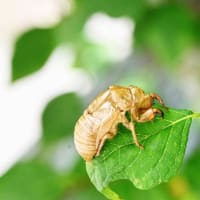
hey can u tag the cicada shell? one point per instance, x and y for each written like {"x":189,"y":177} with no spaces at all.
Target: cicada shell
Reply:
{"x":99,"y":121}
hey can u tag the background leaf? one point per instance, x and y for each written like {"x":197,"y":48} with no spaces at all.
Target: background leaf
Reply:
{"x":78,"y":186}
{"x":191,"y":170}
{"x":132,"y":8}
{"x":166,"y":32}
{"x":60,"y":115}
{"x":92,"y":57}
{"x":30,"y":180}
{"x":70,"y":29}
{"x":164,"y":141}
{"x":127,"y":191}
{"x":31,"y":52}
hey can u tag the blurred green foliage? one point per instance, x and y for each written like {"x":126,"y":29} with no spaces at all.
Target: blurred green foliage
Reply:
{"x":132,"y":8}
{"x":31,"y":180}
{"x":191,"y":170}
{"x":165,"y":30}
{"x":32,"y":50}
{"x":89,"y":55}
{"x":66,"y":109}
{"x":127,"y":191}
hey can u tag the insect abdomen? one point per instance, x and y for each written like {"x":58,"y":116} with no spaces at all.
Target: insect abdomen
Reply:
{"x":84,"y":138}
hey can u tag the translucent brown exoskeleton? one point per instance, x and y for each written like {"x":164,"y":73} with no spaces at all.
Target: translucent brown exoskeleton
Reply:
{"x":100,"y":120}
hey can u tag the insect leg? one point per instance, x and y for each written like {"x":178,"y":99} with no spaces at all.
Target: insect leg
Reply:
{"x":108,"y":135}
{"x":131,"y":127}
{"x":159,"y":99}
{"x":98,"y":102}
{"x":149,"y":115}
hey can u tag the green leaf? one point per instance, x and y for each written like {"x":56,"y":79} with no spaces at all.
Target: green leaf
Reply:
{"x":60,"y":115}
{"x":132,"y":8}
{"x":91,"y":57}
{"x":167,"y":32}
{"x":70,"y":29}
{"x":78,"y":186}
{"x":127,"y":191}
{"x":164,"y":143}
{"x":31,"y":180}
{"x":84,"y":193}
{"x":32,"y":50}
{"x":191,"y":170}
{"x":197,"y":31}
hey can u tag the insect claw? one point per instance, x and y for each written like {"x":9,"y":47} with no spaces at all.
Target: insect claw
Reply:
{"x":140,"y":146}
{"x":159,"y":99}
{"x":162,"y":114}
{"x":159,"y":112}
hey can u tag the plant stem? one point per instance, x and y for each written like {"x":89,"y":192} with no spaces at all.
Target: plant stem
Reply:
{"x":195,"y":115}
{"x":110,"y":194}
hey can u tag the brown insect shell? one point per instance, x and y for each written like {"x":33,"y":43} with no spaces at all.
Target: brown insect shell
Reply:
{"x":90,"y":128}
{"x":102,"y":115}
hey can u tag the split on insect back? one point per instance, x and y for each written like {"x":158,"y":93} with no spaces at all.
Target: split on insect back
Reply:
{"x":147,"y":150}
